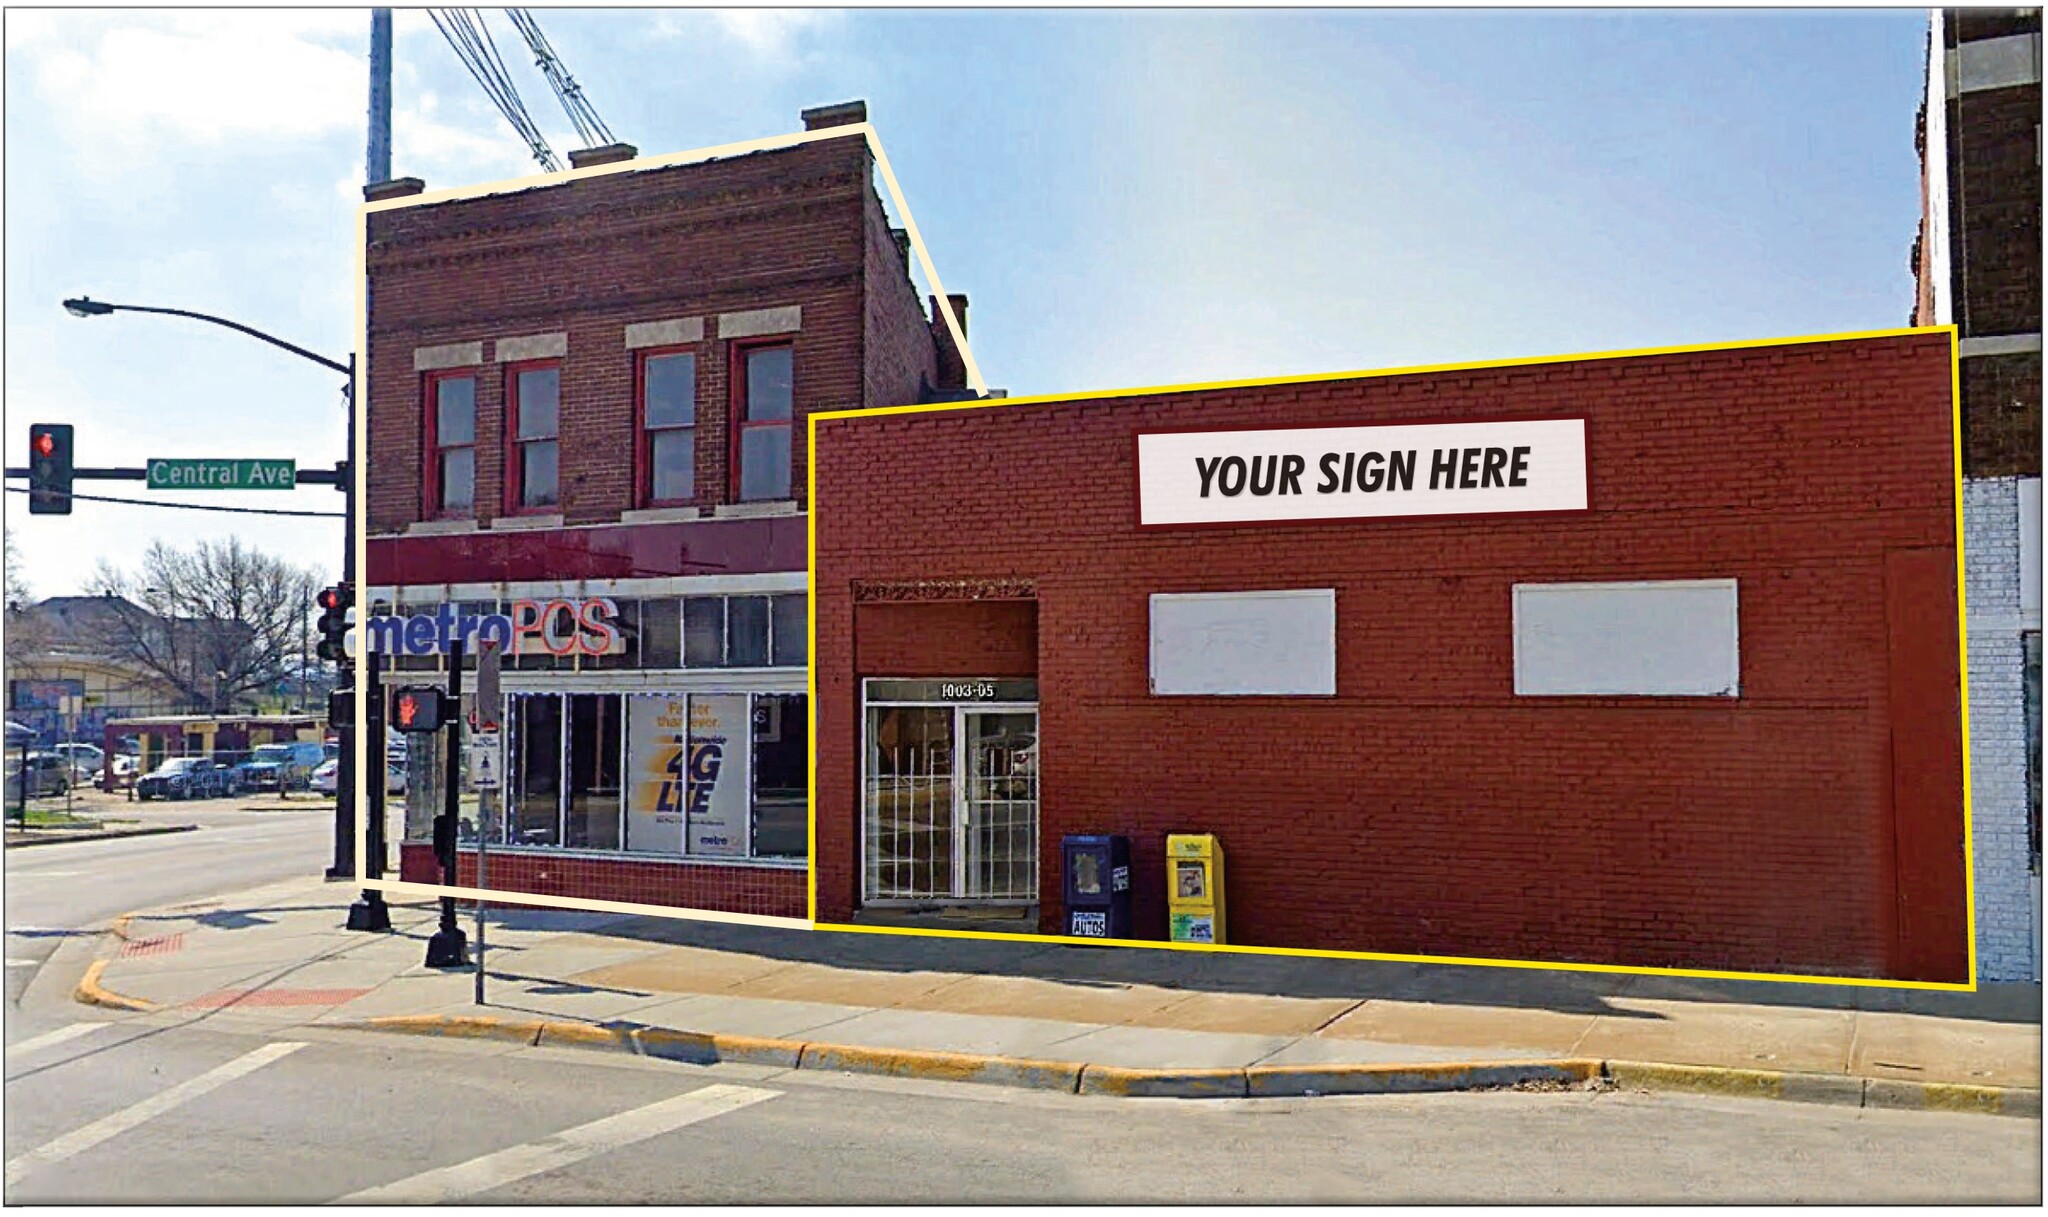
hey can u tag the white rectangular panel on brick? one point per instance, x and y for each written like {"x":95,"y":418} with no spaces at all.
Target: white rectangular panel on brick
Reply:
{"x":1670,"y":638}
{"x":1245,"y":643}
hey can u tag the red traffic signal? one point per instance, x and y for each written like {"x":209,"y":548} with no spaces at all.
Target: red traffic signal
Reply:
{"x":46,"y":444}
{"x":49,"y":469}
{"x":329,"y":598}
{"x":334,"y":604}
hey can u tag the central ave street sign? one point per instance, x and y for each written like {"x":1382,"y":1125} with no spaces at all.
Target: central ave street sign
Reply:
{"x":223,"y":473}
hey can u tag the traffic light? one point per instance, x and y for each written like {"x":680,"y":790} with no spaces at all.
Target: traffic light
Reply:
{"x":49,"y":469}
{"x":419,"y":711}
{"x":334,"y":605}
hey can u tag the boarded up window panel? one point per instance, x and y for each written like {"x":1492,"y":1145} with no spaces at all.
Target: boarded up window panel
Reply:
{"x":1245,"y":643}
{"x":1663,"y":639}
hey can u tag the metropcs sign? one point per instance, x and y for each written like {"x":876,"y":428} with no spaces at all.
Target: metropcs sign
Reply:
{"x":1390,"y":470}
{"x":532,"y":627}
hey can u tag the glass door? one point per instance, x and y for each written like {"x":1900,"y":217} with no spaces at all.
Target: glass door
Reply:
{"x":996,"y":808}
{"x":909,"y":847}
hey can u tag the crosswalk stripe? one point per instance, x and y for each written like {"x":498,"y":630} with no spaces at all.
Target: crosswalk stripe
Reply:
{"x":51,"y":1038}
{"x":563,"y":1148}
{"x":79,"y":1140}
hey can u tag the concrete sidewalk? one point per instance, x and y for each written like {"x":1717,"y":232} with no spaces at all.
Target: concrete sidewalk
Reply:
{"x":1108,"y":1019}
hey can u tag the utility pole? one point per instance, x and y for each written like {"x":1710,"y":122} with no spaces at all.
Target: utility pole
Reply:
{"x":380,"y":96}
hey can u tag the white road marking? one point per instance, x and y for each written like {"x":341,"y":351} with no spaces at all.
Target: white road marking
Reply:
{"x":44,"y":874}
{"x":20,"y":963}
{"x":79,"y":1140}
{"x":52,"y":1038}
{"x":563,"y":1148}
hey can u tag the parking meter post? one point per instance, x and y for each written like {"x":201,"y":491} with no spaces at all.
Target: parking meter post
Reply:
{"x":448,"y":948}
{"x":369,"y":912}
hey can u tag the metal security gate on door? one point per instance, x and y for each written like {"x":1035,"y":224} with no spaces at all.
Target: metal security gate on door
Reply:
{"x":950,"y":792}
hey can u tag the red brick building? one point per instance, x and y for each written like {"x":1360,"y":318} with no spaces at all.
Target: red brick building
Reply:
{"x":1660,"y":668}
{"x":587,"y":406}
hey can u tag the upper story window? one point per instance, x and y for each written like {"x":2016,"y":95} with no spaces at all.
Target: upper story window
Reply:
{"x":668,"y":427}
{"x":763,"y":411}
{"x":533,"y":467}
{"x":767,"y":631}
{"x":451,"y":444}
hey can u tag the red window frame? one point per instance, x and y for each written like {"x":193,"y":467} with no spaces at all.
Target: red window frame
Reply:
{"x":515,"y":464}
{"x":430,"y":473}
{"x":736,"y":364}
{"x":643,"y":436}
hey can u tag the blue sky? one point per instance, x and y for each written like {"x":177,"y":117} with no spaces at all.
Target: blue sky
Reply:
{"x":1127,"y":197}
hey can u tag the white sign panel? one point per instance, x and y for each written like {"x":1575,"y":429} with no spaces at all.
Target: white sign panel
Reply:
{"x":1671,"y":638}
{"x":1379,"y":471}
{"x":657,"y":759}
{"x":1221,"y":643}
{"x":486,"y":761}
{"x":719,"y":776}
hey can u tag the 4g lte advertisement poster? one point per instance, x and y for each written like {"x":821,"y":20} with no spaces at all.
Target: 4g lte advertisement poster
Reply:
{"x":688,"y":759}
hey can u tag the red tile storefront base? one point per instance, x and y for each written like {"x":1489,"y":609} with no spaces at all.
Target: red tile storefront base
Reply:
{"x":770,"y":891}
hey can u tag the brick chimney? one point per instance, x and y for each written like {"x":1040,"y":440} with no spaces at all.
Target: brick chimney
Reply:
{"x":584,"y":158}
{"x":952,"y":370}
{"x":845,"y":114}
{"x":396,"y":188}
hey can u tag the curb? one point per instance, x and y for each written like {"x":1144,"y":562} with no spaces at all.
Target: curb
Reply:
{"x":101,"y":836}
{"x":91,"y":993}
{"x":1257,"y":1081}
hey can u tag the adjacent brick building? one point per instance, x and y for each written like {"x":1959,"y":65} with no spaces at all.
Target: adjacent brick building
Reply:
{"x":587,"y":405}
{"x":1681,"y":691}
{"x":1978,"y":265}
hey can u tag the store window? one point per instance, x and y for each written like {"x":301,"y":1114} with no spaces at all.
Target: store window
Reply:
{"x":697,"y":775}
{"x":451,"y":445}
{"x":668,"y":416}
{"x":762,"y":421}
{"x":534,"y":464}
{"x":767,"y":631}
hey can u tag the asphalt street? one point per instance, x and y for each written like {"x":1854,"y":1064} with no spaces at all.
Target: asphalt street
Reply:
{"x":74,"y":888}
{"x":121,"y":1112}
{"x":104,"y":1106}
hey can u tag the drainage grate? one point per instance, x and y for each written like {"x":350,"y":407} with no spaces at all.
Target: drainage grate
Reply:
{"x":273,"y":997}
{"x":162,"y":944}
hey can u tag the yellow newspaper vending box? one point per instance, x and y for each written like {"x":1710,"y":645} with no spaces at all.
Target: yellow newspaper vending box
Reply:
{"x":1194,"y":892}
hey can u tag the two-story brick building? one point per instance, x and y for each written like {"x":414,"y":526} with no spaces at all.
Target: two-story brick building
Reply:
{"x":586,"y":410}
{"x":1978,"y":265}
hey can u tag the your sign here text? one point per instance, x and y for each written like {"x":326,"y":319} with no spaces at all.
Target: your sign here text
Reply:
{"x":1385,"y":470}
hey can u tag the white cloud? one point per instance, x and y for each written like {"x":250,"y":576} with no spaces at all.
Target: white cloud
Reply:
{"x":774,"y":35}
{"x":210,"y":77}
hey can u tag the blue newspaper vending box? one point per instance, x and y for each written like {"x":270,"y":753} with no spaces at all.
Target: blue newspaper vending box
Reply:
{"x":1098,"y":886}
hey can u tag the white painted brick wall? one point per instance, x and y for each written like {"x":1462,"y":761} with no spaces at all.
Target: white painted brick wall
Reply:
{"x":1998,"y":743}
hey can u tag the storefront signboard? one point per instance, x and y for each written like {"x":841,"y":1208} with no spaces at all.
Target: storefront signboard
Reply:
{"x":657,"y":760}
{"x":1390,"y":470}
{"x":719,"y":778}
{"x":557,"y":627}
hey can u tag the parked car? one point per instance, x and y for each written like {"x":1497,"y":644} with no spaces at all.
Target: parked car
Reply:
{"x":285,"y":766}
{"x":86,"y":760}
{"x":186,"y":777}
{"x":48,"y":773}
{"x":328,"y":776}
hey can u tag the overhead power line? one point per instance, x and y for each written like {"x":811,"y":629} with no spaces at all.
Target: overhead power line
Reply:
{"x":582,"y":115}
{"x":247,"y":511}
{"x":465,"y":31}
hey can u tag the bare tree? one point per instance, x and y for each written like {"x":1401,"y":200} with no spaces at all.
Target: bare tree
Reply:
{"x":218,"y":621}
{"x":18,"y":594}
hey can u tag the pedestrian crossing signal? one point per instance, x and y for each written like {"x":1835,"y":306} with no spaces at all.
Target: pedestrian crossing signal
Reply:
{"x":418,"y":711}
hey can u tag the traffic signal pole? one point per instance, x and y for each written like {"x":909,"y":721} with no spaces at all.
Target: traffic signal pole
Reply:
{"x":448,"y":948}
{"x":369,"y":912}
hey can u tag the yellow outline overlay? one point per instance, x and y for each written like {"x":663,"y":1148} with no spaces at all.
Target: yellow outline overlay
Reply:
{"x":359,"y":469}
{"x":1955,"y":439}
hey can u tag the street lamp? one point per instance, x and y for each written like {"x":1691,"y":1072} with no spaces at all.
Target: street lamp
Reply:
{"x":370,"y":912}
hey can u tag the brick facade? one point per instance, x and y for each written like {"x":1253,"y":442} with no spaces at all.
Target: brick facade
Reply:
{"x":784,"y":246}
{"x":2006,"y":869}
{"x":1426,"y":808}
